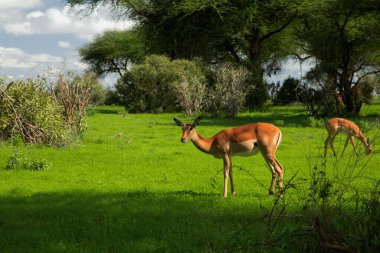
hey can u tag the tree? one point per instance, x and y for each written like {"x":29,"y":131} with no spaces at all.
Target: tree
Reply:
{"x":343,"y":37}
{"x":113,"y":51}
{"x":289,"y":92}
{"x":250,"y":33}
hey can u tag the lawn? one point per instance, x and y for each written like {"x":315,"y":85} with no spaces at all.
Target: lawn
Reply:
{"x":130,"y":185}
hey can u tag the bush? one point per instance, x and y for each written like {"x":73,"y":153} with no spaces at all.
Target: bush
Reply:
{"x":191,"y":89}
{"x":289,"y":92}
{"x":313,"y":122}
{"x":227,"y":98}
{"x":18,"y":161}
{"x":27,"y":109}
{"x":76,"y":93}
{"x":162,"y":85}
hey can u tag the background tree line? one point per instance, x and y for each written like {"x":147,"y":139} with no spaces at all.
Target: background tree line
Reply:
{"x":340,"y":36}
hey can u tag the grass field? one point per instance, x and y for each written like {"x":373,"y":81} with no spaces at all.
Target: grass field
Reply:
{"x":130,"y":185}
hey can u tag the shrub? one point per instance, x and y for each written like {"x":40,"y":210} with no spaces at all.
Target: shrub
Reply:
{"x":28,"y":110}
{"x":191,"y":89}
{"x":75,"y":93}
{"x":162,"y":85}
{"x":227,"y":98}
{"x":18,"y":161}
{"x":313,"y":122}
{"x":289,"y":92}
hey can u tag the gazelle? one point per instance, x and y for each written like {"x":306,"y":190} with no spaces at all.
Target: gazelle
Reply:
{"x":244,"y":140}
{"x":337,"y":125}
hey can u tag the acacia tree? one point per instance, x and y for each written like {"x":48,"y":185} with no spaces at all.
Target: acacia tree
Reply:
{"x":343,"y":36}
{"x":251,"y":33}
{"x":113,"y":51}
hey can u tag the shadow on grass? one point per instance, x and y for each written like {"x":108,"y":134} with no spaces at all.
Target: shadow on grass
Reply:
{"x":289,"y":120}
{"x":140,"y":221}
{"x":106,"y":111}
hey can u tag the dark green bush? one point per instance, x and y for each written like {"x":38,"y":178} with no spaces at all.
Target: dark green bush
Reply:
{"x":156,"y":85}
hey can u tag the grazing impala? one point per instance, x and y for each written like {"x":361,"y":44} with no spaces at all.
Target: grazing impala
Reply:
{"x":244,"y":140}
{"x":337,"y":125}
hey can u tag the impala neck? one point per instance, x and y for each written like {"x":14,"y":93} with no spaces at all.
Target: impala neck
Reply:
{"x":202,"y":144}
{"x":363,"y":139}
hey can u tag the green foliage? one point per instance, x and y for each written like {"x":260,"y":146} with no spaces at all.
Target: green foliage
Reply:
{"x":289,"y":92}
{"x":249,"y":33}
{"x":113,"y":51}
{"x":27,"y":109}
{"x":75,"y":93}
{"x":227,"y":97}
{"x":343,"y":37}
{"x":157,"y":85}
{"x":315,"y":122}
{"x":18,"y":161}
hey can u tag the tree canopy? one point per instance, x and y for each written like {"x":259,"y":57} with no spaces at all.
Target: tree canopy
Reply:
{"x":341,"y":35}
{"x":113,"y":51}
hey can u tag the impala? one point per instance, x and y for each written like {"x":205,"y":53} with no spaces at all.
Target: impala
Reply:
{"x":337,"y":125}
{"x":244,"y":140}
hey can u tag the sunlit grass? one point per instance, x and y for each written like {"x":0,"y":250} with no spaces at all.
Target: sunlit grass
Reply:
{"x":130,"y":185}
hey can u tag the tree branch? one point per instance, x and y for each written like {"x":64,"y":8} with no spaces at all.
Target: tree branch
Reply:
{"x":270,"y":34}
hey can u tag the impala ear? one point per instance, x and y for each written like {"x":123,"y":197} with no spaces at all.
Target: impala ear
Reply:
{"x":178,"y":122}
{"x":196,"y":121}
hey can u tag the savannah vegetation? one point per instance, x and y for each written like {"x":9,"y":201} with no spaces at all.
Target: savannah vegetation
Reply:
{"x":130,"y":185}
{"x":80,"y":176}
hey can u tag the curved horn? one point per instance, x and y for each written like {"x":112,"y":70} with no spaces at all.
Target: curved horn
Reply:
{"x":196,"y":121}
{"x":178,"y":122}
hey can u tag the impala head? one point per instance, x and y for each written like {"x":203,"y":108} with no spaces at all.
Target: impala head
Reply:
{"x":187,"y":129}
{"x":368,"y":147}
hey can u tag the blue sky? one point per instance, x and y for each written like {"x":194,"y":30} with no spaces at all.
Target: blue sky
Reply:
{"x":42,"y":37}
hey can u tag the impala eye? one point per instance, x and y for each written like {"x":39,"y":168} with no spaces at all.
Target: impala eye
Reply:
{"x":190,"y":128}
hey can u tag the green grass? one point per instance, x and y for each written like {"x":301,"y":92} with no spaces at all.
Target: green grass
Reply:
{"x":130,"y":185}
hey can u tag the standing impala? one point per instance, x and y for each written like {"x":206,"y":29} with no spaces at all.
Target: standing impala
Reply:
{"x":244,"y":140}
{"x":337,"y":125}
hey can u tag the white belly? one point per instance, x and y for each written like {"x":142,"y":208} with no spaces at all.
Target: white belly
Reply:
{"x":246,"y":148}
{"x":254,"y":151}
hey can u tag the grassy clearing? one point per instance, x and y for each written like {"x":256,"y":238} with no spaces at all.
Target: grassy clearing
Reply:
{"x":130,"y":185}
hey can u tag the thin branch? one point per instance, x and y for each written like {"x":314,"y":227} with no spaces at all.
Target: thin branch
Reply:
{"x":270,"y":34}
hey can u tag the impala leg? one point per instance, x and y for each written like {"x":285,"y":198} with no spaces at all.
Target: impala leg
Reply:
{"x":280,"y":172}
{"x":345,"y":144}
{"x":231,"y":179}
{"x":353,"y":144}
{"x":274,"y":174}
{"x":327,"y":141}
{"x":227,"y":164}
{"x":332,"y":139}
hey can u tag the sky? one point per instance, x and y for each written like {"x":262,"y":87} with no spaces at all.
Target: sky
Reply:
{"x":42,"y":37}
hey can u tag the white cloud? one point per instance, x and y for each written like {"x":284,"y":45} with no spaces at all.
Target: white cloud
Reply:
{"x":64,"y":44}
{"x":65,"y":21}
{"x":18,"y":4}
{"x":35,"y":14}
{"x":16,"y":60}
{"x":290,"y":67}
